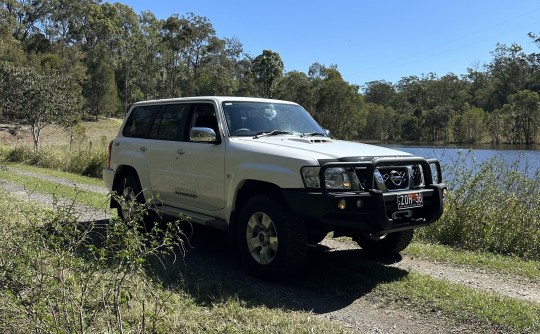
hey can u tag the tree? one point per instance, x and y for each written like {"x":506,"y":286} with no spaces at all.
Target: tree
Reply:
{"x":526,"y":107}
{"x":35,"y":99}
{"x":510,"y":72}
{"x":268,"y":68}
{"x":339,"y":107}
{"x":379,"y":92}
{"x":470,"y":126}
{"x":380,"y":122}
{"x":295,"y":86}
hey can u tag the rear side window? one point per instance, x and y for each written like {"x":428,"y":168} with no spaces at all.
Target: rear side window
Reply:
{"x":139,"y":121}
{"x":168,"y":123}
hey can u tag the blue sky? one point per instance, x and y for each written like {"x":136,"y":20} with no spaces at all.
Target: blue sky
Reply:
{"x":368,"y":40}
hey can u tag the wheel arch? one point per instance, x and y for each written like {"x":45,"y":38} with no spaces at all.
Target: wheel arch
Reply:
{"x":246,"y":190}
{"x":122,"y":172}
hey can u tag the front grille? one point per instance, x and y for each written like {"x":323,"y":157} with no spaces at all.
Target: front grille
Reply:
{"x":393,"y":178}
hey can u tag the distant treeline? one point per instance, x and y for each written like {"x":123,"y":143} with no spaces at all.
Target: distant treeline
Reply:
{"x":99,"y":58}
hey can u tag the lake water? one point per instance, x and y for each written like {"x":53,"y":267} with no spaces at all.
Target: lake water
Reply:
{"x":448,"y":155}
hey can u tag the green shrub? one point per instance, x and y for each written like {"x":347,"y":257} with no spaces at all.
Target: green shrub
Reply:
{"x":87,"y":161}
{"x":492,"y":206}
{"x":63,"y":275}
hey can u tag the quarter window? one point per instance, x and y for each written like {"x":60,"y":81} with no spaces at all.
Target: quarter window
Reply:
{"x":139,"y":121}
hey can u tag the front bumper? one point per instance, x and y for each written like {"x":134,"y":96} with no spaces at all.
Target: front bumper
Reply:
{"x":371,"y":210}
{"x":377,"y":214}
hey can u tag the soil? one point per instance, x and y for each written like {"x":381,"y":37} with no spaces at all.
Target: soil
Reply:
{"x":334,"y":284}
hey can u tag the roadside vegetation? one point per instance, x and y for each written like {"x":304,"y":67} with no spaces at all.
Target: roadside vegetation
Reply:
{"x":155,"y":294}
{"x":491,"y":207}
{"x":59,"y":274}
{"x":110,"y":277}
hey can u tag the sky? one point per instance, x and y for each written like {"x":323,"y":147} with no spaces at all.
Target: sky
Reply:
{"x":367,"y":40}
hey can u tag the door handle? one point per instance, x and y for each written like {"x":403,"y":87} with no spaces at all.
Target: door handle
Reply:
{"x":143,"y":148}
{"x":180,"y":151}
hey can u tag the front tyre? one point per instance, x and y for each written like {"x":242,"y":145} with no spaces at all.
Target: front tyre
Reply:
{"x":385,"y":244}
{"x":272,"y":240}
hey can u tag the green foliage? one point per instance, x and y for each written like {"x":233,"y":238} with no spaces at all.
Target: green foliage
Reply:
{"x":36,"y":99}
{"x":267,"y":68}
{"x":61,"y":274}
{"x":120,"y":57}
{"x":492,"y":207}
{"x":83,"y":161}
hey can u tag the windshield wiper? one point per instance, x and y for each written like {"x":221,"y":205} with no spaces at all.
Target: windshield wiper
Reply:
{"x":311,"y":134}
{"x":271,"y":133}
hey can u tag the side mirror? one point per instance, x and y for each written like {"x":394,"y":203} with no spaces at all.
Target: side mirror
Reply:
{"x":327,"y":133}
{"x":203,"y":135}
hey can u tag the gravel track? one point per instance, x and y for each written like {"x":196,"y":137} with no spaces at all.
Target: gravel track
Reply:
{"x":325,"y":289}
{"x":506,"y":285}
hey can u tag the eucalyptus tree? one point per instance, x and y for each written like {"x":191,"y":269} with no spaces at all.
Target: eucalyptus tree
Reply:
{"x":36,"y":99}
{"x":380,"y":92}
{"x":296,"y":86}
{"x":218,"y":74}
{"x":526,"y":107}
{"x":267,"y":68}
{"x":380,"y":122}
{"x":509,"y":71}
{"x":339,"y":106}
{"x":126,"y":54}
{"x":25,"y":16}
{"x":151,"y":79}
{"x":471,"y":126}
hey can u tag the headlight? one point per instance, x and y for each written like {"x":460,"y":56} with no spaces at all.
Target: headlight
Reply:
{"x":335,"y":178}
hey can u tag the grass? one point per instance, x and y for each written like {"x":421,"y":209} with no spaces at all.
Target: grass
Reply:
{"x":31,"y":184}
{"x":511,"y":265}
{"x":226,"y":312}
{"x":75,"y":178}
{"x":426,"y":293}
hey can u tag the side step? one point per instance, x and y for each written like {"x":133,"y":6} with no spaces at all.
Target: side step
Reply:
{"x":194,"y":217}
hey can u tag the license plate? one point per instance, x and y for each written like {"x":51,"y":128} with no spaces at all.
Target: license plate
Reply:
{"x":410,"y":200}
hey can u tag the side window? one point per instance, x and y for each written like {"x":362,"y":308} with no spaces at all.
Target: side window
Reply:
{"x":203,"y":115}
{"x":168,"y":123}
{"x":139,"y":121}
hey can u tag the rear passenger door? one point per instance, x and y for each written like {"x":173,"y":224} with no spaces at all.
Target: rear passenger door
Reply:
{"x":160,"y":149}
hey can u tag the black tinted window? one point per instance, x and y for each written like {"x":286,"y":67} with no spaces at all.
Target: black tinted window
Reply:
{"x":168,"y":123}
{"x":139,"y":121}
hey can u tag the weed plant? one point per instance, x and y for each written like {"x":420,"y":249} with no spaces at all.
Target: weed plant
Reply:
{"x":492,"y":206}
{"x":61,"y":275}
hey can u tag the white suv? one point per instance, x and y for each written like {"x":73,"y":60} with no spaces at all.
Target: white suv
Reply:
{"x":265,"y":171}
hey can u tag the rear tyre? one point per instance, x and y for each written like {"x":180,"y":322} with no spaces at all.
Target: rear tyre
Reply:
{"x":272,"y":240}
{"x":131,"y":207}
{"x":385,"y":244}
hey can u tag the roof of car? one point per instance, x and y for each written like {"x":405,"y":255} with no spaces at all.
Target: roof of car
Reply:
{"x":217,"y":99}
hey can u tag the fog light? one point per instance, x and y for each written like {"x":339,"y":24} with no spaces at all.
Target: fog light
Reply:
{"x":342,"y":204}
{"x":359,"y":204}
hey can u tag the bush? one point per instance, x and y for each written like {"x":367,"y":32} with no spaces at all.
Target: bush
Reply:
{"x":86,"y":161}
{"x":62,"y":275}
{"x":492,"y":206}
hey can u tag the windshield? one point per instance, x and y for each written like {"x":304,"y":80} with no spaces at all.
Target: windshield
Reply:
{"x":253,"y":118}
